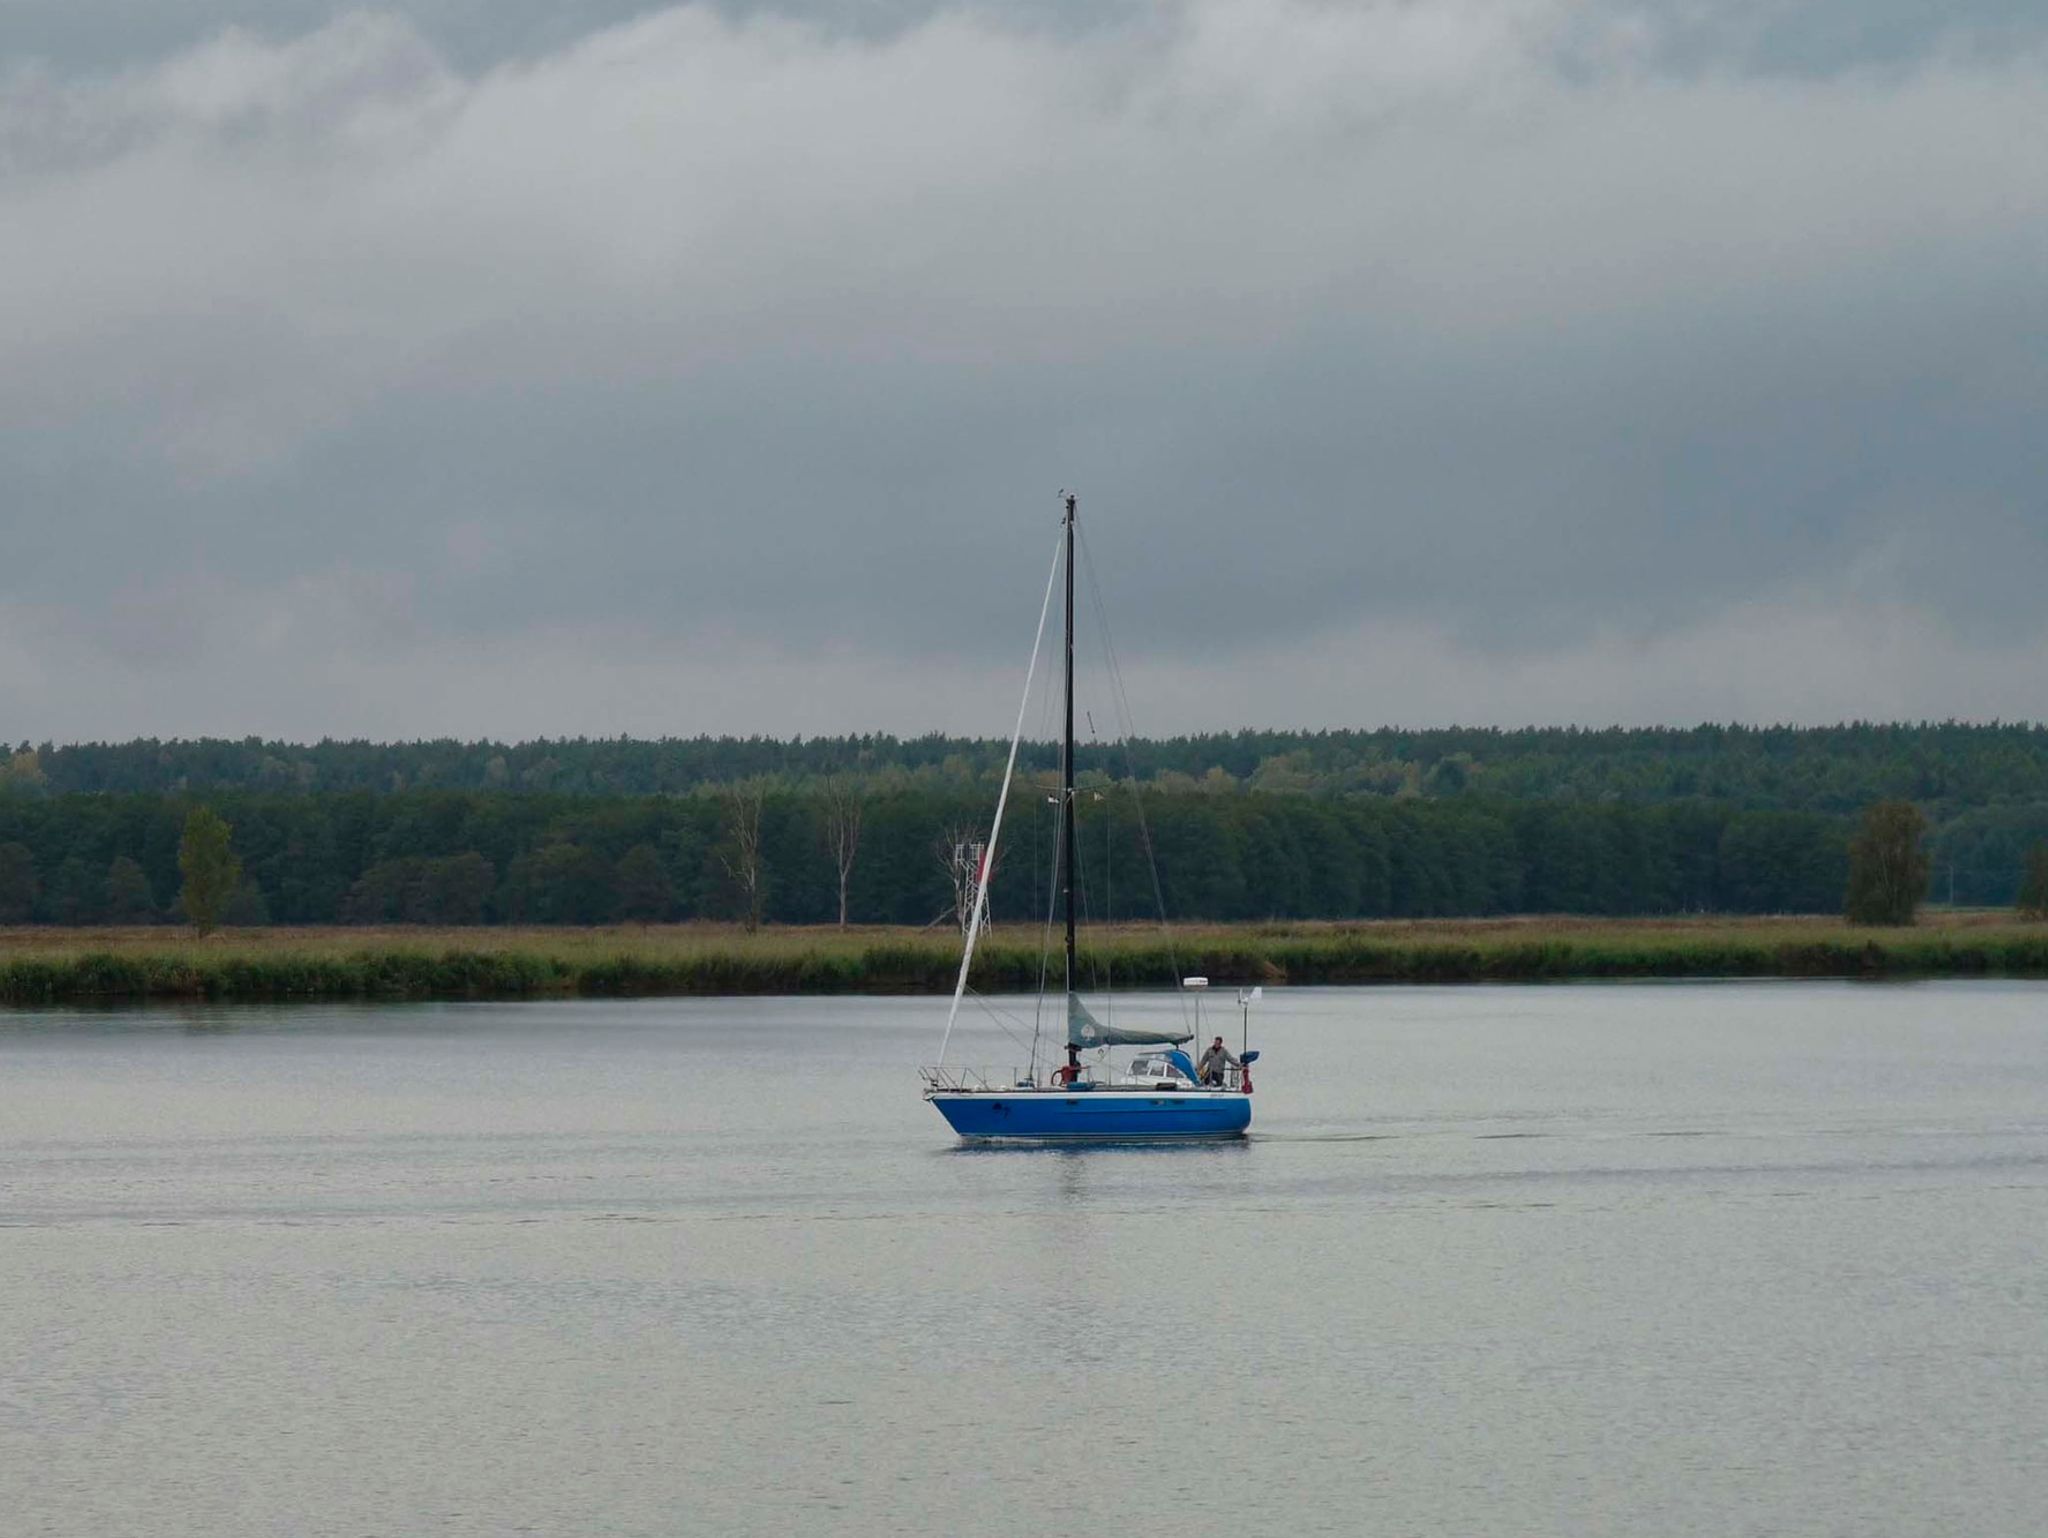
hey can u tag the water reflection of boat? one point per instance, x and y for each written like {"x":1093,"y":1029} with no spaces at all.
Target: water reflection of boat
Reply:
{"x":1158,"y":1093}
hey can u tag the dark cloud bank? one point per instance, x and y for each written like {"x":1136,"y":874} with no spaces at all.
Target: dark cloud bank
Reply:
{"x":464,"y":371}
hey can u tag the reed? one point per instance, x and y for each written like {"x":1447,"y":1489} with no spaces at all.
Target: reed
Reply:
{"x":47,"y":966}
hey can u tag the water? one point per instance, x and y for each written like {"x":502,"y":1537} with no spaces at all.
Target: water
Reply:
{"x":1724,"y":1259}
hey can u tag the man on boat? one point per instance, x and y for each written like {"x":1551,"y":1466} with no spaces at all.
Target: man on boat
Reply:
{"x":1214,"y":1061}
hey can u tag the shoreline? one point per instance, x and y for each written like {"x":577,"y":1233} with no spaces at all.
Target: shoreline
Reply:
{"x":40,"y":966}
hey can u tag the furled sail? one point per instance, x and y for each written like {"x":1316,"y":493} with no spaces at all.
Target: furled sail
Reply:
{"x":1084,"y":1031}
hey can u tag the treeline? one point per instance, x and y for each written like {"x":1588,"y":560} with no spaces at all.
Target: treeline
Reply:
{"x":1946,"y":768}
{"x":451,"y":857}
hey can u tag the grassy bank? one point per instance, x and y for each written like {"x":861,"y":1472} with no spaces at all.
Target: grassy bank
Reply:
{"x":41,"y":966}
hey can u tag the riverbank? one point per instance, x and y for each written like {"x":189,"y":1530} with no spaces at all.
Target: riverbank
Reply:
{"x":47,"y":966}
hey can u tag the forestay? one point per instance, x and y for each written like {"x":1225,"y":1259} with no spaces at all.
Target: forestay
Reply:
{"x":979,"y":913}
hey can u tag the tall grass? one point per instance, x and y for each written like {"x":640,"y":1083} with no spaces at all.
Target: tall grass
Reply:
{"x":51,"y":966}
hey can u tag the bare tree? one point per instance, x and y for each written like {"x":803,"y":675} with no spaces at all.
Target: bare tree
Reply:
{"x":741,"y":856}
{"x":960,"y":852}
{"x":844,"y":801}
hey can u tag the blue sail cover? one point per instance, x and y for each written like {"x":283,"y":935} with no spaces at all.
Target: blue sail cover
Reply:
{"x":1085,"y":1031}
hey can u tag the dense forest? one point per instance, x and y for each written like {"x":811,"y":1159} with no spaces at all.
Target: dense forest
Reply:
{"x":1943,"y":767}
{"x":459,"y":857}
{"x":1248,"y":826}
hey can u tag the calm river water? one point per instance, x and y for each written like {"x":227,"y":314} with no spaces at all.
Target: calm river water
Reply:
{"x":1643,"y":1260}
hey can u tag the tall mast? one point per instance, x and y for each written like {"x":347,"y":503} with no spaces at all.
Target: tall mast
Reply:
{"x":1067,"y":763}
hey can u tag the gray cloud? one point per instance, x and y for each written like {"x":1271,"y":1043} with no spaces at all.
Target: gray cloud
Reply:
{"x":1536,"y":359}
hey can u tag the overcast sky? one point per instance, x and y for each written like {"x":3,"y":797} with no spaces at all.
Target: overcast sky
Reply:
{"x":514,"y":368}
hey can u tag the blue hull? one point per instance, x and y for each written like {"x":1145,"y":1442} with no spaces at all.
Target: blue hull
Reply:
{"x":1051,"y":1115}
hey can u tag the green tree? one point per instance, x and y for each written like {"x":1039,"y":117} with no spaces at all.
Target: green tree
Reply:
{"x":560,"y":883}
{"x":18,"y":884}
{"x":2033,"y":898}
{"x":644,"y":893}
{"x":73,"y":897}
{"x":129,"y":899}
{"x":458,"y":889}
{"x":248,"y":907}
{"x":1888,"y":868}
{"x":22,"y":770}
{"x":378,"y":894}
{"x":206,"y":859}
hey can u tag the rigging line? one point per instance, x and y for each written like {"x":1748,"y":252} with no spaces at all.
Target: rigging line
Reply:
{"x":1045,"y":715}
{"x":989,"y":1007}
{"x":1045,"y":941}
{"x":996,"y":1018}
{"x":1098,"y":956}
{"x":1099,"y":984}
{"x":1104,"y":969}
{"x":1121,"y":701}
{"x":988,"y":858}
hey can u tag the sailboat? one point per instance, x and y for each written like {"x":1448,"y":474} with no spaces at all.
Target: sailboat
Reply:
{"x":1156,"y":1093}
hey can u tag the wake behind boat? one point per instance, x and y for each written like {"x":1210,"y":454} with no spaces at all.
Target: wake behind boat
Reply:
{"x":1160,"y":1093}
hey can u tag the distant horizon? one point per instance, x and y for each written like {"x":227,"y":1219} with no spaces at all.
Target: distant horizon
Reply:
{"x":1391,"y":729}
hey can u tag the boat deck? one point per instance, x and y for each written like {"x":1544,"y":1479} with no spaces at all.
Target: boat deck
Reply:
{"x":988,"y":1081}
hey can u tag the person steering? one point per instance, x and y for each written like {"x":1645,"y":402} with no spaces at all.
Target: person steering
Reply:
{"x":1214,"y":1061}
